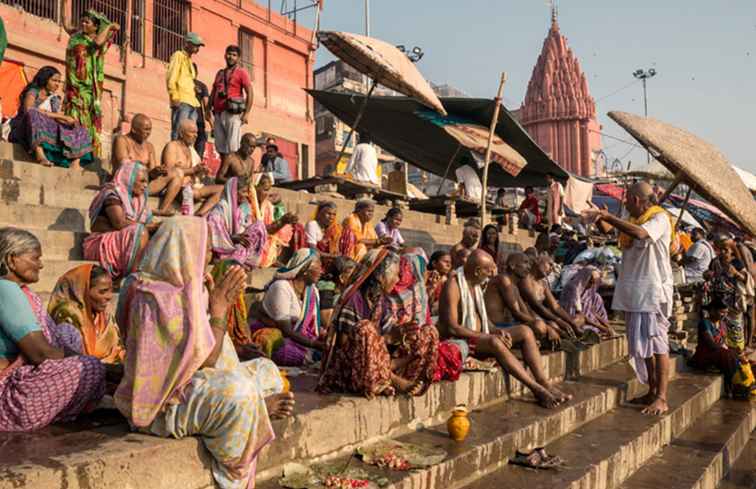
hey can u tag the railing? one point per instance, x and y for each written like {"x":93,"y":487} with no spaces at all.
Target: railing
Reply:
{"x":169,"y":28}
{"x":47,"y":9}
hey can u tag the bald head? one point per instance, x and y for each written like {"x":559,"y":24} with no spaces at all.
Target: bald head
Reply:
{"x":640,"y":196}
{"x":479,"y":268}
{"x":141,"y":128}
{"x":518,"y":264}
{"x":187,"y":131}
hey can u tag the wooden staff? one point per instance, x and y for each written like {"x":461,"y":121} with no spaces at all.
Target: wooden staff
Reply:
{"x":448,"y":167}
{"x":491,"y":133}
{"x":356,"y":122}
{"x":684,"y":206}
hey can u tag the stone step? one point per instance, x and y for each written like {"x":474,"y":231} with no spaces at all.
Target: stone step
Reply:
{"x":605,"y":452}
{"x":742,"y":475}
{"x":110,"y":456}
{"x":34,"y":217}
{"x":52,"y":271}
{"x":497,"y":430}
{"x":704,"y":453}
{"x":57,"y":245}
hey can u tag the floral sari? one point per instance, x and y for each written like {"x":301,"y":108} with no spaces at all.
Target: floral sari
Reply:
{"x":166,"y":391}
{"x":119,"y":251}
{"x":99,"y":331}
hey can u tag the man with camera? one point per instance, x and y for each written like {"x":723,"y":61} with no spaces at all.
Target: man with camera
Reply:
{"x":231,"y":101}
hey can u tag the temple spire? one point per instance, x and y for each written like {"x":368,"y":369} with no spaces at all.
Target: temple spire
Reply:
{"x":554,"y":13}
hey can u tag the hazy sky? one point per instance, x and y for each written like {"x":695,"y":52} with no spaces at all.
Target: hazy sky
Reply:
{"x":703,"y":51}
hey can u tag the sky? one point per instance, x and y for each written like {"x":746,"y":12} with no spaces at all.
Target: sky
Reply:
{"x":704,"y":53}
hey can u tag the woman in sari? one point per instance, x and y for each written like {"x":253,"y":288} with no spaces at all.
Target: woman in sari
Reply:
{"x":289,"y":331}
{"x":375,"y":346}
{"x":580,"y":299}
{"x":357,"y":234}
{"x":182,"y":377}
{"x":323,"y":233}
{"x":120,"y":221}
{"x":82,"y":298}
{"x":43,"y":376}
{"x":43,"y":130}
{"x":85,"y":71}
{"x":389,"y":227}
{"x":280,"y":231}
{"x":234,"y":234}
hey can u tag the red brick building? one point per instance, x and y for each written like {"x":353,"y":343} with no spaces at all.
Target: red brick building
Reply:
{"x":278,"y":52}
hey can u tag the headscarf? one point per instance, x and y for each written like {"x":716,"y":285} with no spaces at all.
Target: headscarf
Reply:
{"x":99,"y":331}
{"x":164,"y":311}
{"x":121,"y":187}
{"x":408,"y":301}
{"x":297,"y":263}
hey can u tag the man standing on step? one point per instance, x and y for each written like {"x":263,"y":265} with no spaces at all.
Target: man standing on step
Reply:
{"x":135,"y":146}
{"x":180,"y":82}
{"x":464,"y":320}
{"x":644,"y":287}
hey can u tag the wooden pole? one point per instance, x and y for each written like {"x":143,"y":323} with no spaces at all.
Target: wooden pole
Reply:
{"x":675,"y":183}
{"x":448,"y":167}
{"x":684,"y":206}
{"x":356,"y":122}
{"x":491,"y":133}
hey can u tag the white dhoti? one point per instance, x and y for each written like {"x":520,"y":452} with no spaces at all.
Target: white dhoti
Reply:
{"x":646,"y":337}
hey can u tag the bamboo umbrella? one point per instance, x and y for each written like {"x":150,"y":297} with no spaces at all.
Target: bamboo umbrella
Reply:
{"x":699,"y":164}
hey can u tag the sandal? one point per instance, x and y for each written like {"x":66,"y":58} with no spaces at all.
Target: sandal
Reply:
{"x":537,"y":459}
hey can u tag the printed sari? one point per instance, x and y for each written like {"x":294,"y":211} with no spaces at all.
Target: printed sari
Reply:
{"x":165,"y":390}
{"x":265,"y":212}
{"x":85,"y":74}
{"x":578,"y":298}
{"x":353,"y":231}
{"x":119,"y":251}
{"x":99,"y":331}
{"x":33,"y":396}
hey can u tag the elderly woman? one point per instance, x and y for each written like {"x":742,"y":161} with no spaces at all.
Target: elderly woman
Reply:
{"x":85,"y":72}
{"x":323,"y":233}
{"x":357,"y":235}
{"x":580,"y":299}
{"x":288,"y":329}
{"x":120,"y":221}
{"x":82,"y":298}
{"x":234,"y":233}
{"x":43,"y":376}
{"x":182,"y":377}
{"x":371,"y":349}
{"x":44,"y":131}
{"x":280,"y":231}
{"x":389,"y":227}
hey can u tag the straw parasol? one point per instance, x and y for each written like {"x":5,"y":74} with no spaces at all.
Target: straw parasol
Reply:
{"x":382,"y":62}
{"x":653,"y":170}
{"x":696,"y":162}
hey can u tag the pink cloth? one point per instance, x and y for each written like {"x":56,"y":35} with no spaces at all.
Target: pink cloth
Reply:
{"x":117,"y":251}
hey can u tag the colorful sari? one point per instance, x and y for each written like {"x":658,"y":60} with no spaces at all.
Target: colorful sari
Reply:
{"x":33,"y":396}
{"x":166,"y":391}
{"x":265,"y":212}
{"x":99,"y":331}
{"x":358,"y":356}
{"x":353,"y":231}
{"x":119,"y":251}
{"x":286,"y":351}
{"x":61,"y":143}
{"x":578,"y":298}
{"x":85,"y":74}
{"x":331,"y":238}
{"x":230,"y":218}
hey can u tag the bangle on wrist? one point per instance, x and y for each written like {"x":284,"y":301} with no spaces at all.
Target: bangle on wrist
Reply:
{"x":218,"y":323}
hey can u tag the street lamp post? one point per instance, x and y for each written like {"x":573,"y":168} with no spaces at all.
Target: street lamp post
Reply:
{"x":644,"y":75}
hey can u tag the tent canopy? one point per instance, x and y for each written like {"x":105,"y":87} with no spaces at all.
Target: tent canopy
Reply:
{"x":394,"y":124}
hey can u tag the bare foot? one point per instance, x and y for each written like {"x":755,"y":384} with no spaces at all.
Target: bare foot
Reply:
{"x":75,"y":165}
{"x":44,"y":162}
{"x":645,"y":400}
{"x":280,"y":405}
{"x":560,"y":395}
{"x":546,"y":399}
{"x":165,"y":213}
{"x":657,"y":408}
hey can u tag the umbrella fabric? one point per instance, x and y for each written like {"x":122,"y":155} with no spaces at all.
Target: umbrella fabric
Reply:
{"x":703,"y":211}
{"x":475,"y":138}
{"x":749,"y":179}
{"x":382,"y":62}
{"x":700,"y":164}
{"x":687,"y":218}
{"x":611,"y":190}
{"x":654,"y":170}
{"x":394,"y":124}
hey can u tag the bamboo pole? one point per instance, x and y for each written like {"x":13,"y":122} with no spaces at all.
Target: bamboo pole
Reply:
{"x":678,"y":180}
{"x":448,"y":167}
{"x":356,"y":122}
{"x":684,"y":206}
{"x":491,"y":133}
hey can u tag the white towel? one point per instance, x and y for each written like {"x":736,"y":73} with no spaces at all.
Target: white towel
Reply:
{"x":472,"y":304}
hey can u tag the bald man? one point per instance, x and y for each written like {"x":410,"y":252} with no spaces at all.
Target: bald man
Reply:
{"x":135,"y":146}
{"x":463,"y":319}
{"x":180,"y":154}
{"x":470,"y":238}
{"x":644,"y":287}
{"x":240,"y":162}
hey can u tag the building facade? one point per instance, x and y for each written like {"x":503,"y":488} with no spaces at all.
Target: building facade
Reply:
{"x":278,"y":53}
{"x":558,"y":111}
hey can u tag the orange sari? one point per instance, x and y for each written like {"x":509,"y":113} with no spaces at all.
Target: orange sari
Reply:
{"x":352,"y":233}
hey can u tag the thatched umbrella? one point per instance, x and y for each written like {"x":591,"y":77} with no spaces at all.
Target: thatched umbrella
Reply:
{"x":697,"y":163}
{"x":653,"y":170}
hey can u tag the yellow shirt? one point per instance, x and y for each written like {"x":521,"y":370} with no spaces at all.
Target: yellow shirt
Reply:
{"x":180,"y":79}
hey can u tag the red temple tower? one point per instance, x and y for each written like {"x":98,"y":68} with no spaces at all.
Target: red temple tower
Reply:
{"x":558,"y":111}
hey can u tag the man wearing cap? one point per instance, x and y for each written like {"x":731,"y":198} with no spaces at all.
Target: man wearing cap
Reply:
{"x":231,"y":99}
{"x":180,"y":81}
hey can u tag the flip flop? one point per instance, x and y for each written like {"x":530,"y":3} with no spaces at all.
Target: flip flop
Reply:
{"x":530,"y":460}
{"x":548,"y":461}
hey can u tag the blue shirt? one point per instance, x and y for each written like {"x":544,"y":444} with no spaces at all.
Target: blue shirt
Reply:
{"x":280,"y":170}
{"x":16,"y":318}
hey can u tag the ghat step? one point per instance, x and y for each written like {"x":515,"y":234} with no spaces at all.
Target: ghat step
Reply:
{"x":743,"y":472}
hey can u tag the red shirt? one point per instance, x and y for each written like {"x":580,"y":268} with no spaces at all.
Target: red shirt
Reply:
{"x":238,"y":79}
{"x":531,"y":204}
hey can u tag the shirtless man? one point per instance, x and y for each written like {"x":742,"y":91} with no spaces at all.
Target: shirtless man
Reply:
{"x":505,"y":305}
{"x":135,"y":146}
{"x":470,"y":239}
{"x":240,"y":162}
{"x":535,"y":289}
{"x":464,"y":319}
{"x":181,"y":154}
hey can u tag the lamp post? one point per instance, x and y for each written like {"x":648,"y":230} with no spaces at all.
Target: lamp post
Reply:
{"x":644,"y":75}
{"x":414,"y":55}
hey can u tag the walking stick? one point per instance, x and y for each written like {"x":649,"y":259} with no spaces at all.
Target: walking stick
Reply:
{"x":491,"y":132}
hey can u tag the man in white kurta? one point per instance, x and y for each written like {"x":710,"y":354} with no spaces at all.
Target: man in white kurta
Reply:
{"x":364,"y":163}
{"x":644,"y":290}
